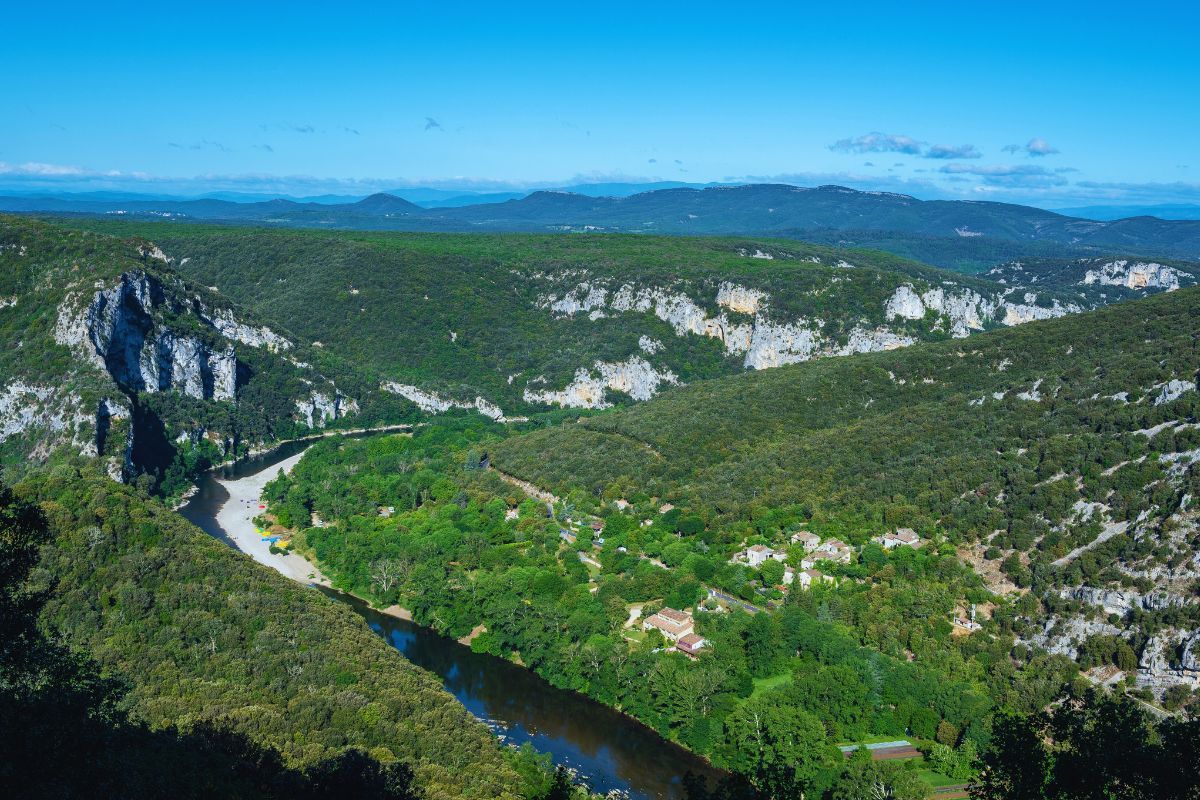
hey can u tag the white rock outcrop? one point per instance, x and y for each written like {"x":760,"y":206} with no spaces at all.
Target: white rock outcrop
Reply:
{"x":740,"y":299}
{"x":1020,"y":313}
{"x":227,"y":325}
{"x":118,"y":332}
{"x":966,"y":309}
{"x":635,"y":377}
{"x":320,"y":408}
{"x":1136,"y":275}
{"x":763,"y":341}
{"x":1173,"y":390}
{"x":52,"y":416}
{"x":433,"y":403}
{"x":646,"y":345}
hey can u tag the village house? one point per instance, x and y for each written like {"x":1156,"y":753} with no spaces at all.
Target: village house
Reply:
{"x":670,"y":623}
{"x":756,"y":555}
{"x":835,"y":550}
{"x":789,"y":575}
{"x":901,"y":537}
{"x":691,"y":644}
{"x":967,"y":624}
{"x":810,"y":576}
{"x":810,"y":540}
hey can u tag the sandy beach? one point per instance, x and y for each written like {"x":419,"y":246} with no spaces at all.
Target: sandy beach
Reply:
{"x":236,"y":520}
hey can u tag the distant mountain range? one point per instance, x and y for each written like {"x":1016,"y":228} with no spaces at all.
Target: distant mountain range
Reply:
{"x":959,"y":230}
{"x":1110,"y":212}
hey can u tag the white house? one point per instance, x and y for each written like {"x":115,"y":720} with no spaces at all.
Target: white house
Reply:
{"x":691,"y":644}
{"x":809,"y":540}
{"x":756,"y":555}
{"x":835,"y":550}
{"x":901,"y":537}
{"x":671,"y":623}
{"x":810,"y":576}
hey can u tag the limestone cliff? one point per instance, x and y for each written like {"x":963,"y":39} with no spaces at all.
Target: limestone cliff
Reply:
{"x":966,"y":310}
{"x":634,"y":377}
{"x":433,"y":403}
{"x":121,"y":331}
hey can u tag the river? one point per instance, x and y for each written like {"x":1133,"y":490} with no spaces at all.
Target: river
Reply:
{"x":610,"y":751}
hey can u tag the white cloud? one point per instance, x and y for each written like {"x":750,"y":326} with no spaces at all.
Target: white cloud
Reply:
{"x":1035,"y":147}
{"x":953,"y":151}
{"x":1039,"y":147}
{"x":878,"y":143}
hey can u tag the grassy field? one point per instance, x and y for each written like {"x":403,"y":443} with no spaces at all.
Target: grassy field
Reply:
{"x":772,"y":682}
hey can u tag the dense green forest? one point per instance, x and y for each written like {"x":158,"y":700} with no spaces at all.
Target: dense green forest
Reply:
{"x":461,"y":314}
{"x":205,"y":638}
{"x":59,"y":712}
{"x":993,"y":448}
{"x":1053,"y":455}
{"x":421,"y":522}
{"x":972,"y":438}
{"x":60,"y":390}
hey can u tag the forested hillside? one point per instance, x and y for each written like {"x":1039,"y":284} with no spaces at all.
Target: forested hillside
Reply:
{"x":1058,"y":457}
{"x":208,"y":640}
{"x":55,"y":701}
{"x":516,"y":323}
{"x":113,"y":354}
{"x":421,"y":522}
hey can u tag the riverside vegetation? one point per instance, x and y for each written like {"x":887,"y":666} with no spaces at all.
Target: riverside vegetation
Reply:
{"x":999,"y":442}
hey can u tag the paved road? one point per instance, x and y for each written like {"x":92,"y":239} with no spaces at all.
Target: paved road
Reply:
{"x":728,"y":598}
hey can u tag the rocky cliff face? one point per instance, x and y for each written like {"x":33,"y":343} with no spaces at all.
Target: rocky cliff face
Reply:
{"x":320,"y":409}
{"x":120,"y":329}
{"x":742,"y":319}
{"x":635,"y":377}
{"x":966,"y":310}
{"x":1134,"y":275}
{"x":755,"y":334}
{"x":148,"y":333}
{"x":433,"y":403}
{"x":1094,"y":282}
{"x":1170,"y":658}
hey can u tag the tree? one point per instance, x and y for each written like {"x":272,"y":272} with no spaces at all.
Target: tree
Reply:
{"x":762,"y":645}
{"x":947,"y":733}
{"x":385,"y":573}
{"x":1017,"y":765}
{"x":772,"y":572}
{"x":767,"y":737}
{"x":864,"y":779}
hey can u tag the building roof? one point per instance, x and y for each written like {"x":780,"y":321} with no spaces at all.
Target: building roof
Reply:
{"x":690,"y":642}
{"x":759,"y":548}
{"x":678,"y":617}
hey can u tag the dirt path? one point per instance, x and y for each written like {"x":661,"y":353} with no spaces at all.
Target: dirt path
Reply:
{"x":526,"y":486}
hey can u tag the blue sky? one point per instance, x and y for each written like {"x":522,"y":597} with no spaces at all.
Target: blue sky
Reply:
{"x":1049,"y":103}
